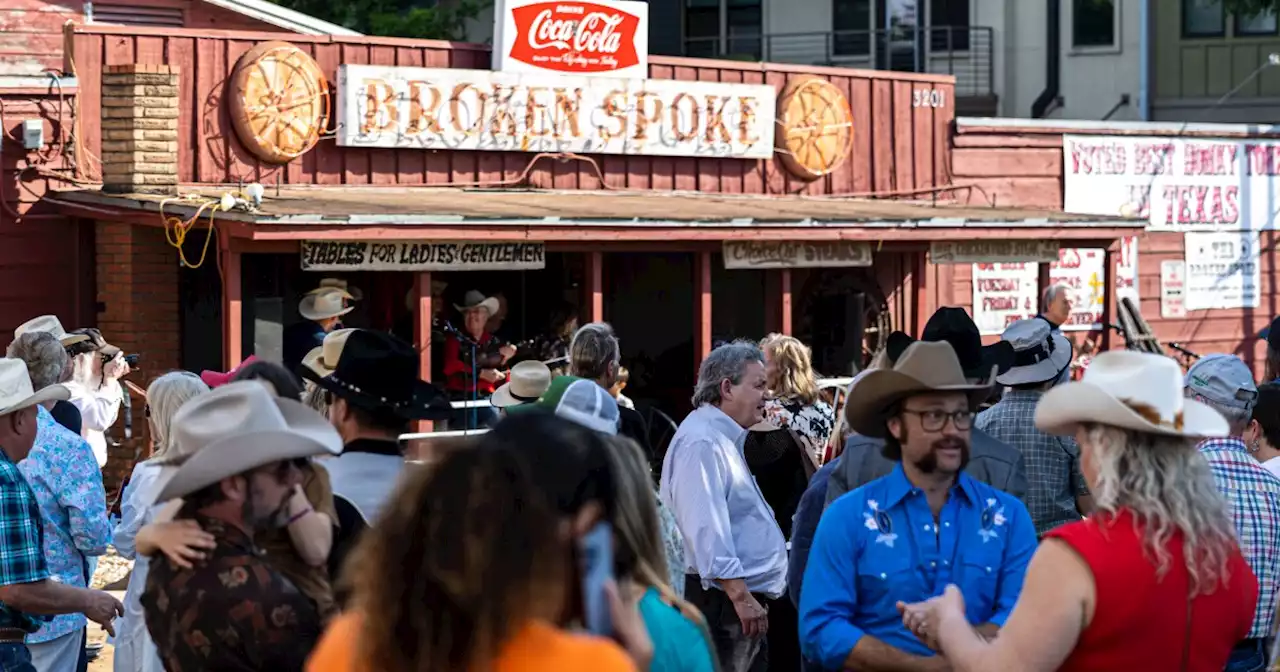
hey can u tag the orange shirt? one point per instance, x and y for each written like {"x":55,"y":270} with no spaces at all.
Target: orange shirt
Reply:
{"x":537,"y":647}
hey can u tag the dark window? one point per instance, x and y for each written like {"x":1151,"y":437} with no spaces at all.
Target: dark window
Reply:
{"x":702,"y":29}
{"x":133,"y":15}
{"x":851,"y":20}
{"x":1203,"y":18}
{"x":1093,"y":23}
{"x":744,"y":21}
{"x":949,"y":25}
{"x":1258,"y":24}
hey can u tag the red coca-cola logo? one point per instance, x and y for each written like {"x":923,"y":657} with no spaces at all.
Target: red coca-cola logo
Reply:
{"x":575,"y":37}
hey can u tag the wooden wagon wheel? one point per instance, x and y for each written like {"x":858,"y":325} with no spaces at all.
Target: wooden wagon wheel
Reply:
{"x":279,"y":101}
{"x":815,"y":127}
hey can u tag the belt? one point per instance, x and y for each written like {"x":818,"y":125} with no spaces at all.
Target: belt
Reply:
{"x":1254,"y":644}
{"x":12,"y":635}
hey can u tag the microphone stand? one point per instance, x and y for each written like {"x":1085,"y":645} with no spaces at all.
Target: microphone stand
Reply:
{"x":470,"y":417}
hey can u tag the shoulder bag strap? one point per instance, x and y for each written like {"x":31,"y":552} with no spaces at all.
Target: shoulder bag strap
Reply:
{"x":1186,"y":640}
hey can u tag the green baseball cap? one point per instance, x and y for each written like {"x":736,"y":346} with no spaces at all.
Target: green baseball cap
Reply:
{"x":578,"y":400}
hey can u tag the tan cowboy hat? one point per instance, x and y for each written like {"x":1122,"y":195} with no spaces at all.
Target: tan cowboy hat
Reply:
{"x":529,"y":380}
{"x":237,"y":428}
{"x":924,"y":366}
{"x":51,"y":325}
{"x":322,"y":360}
{"x":324,"y":304}
{"x":473,"y":300}
{"x":336,"y":283}
{"x":15,"y":388}
{"x":1130,"y":390}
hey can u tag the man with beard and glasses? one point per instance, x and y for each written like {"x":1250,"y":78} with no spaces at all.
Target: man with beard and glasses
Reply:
{"x":904,"y":537}
{"x":234,"y":462}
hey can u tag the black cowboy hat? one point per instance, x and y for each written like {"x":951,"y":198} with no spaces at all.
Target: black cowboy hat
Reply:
{"x":378,"y":371}
{"x":954,"y":326}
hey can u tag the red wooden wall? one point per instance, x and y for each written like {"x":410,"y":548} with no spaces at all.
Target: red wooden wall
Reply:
{"x":1022,"y":166}
{"x":897,"y":147}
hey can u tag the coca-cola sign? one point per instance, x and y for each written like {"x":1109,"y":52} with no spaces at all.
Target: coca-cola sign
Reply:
{"x":572,"y":37}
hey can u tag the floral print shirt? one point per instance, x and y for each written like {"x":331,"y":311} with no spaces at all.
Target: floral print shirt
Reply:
{"x":812,"y":423}
{"x":67,"y":483}
{"x":673,"y":544}
{"x":231,"y":613}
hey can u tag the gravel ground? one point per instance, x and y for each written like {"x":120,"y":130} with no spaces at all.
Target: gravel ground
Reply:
{"x":112,"y":575}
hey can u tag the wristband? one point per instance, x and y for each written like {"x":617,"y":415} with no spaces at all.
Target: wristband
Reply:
{"x":298,"y":516}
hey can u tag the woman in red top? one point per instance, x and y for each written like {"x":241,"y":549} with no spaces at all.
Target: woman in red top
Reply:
{"x":1155,"y":579}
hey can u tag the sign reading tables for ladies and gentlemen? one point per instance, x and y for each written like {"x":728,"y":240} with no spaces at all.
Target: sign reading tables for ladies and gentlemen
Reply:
{"x":1222,"y":270}
{"x":572,"y":37}
{"x":1178,"y":184}
{"x":417,"y":255}
{"x":793,"y":254}
{"x":992,"y":251}
{"x":431,"y":108}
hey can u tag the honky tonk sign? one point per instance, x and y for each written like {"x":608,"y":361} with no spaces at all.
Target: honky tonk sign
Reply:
{"x":431,"y":108}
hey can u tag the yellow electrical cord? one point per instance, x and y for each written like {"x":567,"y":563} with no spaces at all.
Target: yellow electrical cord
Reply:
{"x":181,"y":228}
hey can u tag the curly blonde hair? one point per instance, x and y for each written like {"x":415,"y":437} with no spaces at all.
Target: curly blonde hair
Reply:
{"x":792,"y":375}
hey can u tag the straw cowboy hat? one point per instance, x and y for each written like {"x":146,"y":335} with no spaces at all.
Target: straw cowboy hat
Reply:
{"x":15,"y":388}
{"x":324,"y":304}
{"x":379,"y":372}
{"x":322,"y":360}
{"x":1130,"y":390}
{"x":529,"y":380}
{"x":1040,"y":354}
{"x":923,"y":367}
{"x":474,"y":299}
{"x":336,"y":283}
{"x":954,"y":326}
{"x":49,"y":324}
{"x":237,"y":428}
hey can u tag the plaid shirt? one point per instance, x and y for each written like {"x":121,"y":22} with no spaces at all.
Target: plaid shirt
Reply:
{"x":23,"y":558}
{"x":1053,"y":462}
{"x":1254,"y":496}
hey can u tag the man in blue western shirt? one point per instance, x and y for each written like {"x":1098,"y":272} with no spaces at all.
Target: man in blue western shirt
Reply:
{"x":904,"y":537}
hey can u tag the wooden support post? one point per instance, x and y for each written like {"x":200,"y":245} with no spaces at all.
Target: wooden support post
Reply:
{"x":784,"y":302}
{"x":232,"y":305}
{"x":1108,"y":294}
{"x":422,"y":333}
{"x":701,"y":307}
{"x":920,"y":296}
{"x":594,"y":287}
{"x":1042,"y":283}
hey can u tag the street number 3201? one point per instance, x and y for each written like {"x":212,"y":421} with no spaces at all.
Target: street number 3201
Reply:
{"x":928,"y":98}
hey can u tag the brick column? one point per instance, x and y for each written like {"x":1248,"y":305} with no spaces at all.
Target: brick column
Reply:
{"x":140,"y":129}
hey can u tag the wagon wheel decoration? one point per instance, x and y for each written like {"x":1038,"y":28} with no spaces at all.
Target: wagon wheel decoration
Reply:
{"x":279,"y":101}
{"x":815,"y":127}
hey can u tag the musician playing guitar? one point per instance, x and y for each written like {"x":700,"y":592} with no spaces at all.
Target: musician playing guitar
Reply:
{"x":553,"y":346}
{"x":473,"y":359}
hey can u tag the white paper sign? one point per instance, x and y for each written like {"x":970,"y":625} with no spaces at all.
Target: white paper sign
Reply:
{"x":1004,"y":294}
{"x":1178,"y":184}
{"x":572,"y":37}
{"x":418,"y":255}
{"x":432,"y":108}
{"x":788,"y":254}
{"x":1173,"y":282}
{"x":1084,"y":273}
{"x":1222,"y":270}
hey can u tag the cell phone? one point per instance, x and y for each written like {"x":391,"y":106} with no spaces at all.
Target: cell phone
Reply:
{"x":596,"y":557}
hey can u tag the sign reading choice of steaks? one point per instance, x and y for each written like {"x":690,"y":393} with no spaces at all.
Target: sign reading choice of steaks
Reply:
{"x":432,"y":108}
{"x":412,"y":255}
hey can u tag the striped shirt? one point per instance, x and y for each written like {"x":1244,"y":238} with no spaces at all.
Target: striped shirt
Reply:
{"x":1254,"y":496}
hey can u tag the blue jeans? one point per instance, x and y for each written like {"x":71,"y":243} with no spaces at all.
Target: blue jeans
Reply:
{"x":1246,"y":658}
{"x":14,"y":657}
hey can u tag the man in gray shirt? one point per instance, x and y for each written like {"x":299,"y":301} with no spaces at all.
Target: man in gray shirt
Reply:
{"x":991,"y":461}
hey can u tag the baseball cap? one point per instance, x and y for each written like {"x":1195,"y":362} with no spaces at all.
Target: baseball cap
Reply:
{"x":578,"y":400}
{"x":94,"y":343}
{"x":1271,"y":334}
{"x":1223,"y":379}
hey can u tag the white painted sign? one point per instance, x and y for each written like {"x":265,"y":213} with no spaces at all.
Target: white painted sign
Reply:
{"x":417,"y":255}
{"x":430,"y":108}
{"x":788,"y":254}
{"x":993,"y":251}
{"x":1004,"y":294}
{"x":572,"y":37}
{"x":1222,"y":270}
{"x":1173,"y":283}
{"x":1178,"y":184}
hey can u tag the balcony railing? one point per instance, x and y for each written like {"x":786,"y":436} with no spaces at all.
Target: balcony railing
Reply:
{"x":962,"y":51}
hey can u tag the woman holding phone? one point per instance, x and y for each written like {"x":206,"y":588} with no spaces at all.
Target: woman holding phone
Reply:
{"x":491,"y":542}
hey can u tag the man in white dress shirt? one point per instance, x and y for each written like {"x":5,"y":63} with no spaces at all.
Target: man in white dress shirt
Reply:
{"x":735,"y":555}
{"x":1262,"y":435}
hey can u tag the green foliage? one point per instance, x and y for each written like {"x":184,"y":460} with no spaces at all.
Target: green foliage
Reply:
{"x":1250,"y":7}
{"x":395,"y":18}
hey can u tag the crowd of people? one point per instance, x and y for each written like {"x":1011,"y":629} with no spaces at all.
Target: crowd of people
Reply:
{"x":980,"y":510}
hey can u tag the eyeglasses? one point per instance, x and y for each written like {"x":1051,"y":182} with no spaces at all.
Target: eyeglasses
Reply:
{"x":934,"y":421}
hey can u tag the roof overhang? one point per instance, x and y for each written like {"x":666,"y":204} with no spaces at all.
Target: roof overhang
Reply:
{"x":282,"y":17}
{"x":361,"y":213}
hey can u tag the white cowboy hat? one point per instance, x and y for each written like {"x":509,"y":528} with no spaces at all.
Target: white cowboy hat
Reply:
{"x":473,"y":300}
{"x":325,"y":303}
{"x":237,"y":428}
{"x":51,"y":325}
{"x":322,"y":360}
{"x":1040,"y":354}
{"x":925,"y":366}
{"x":529,"y":380}
{"x":336,"y":283}
{"x":15,"y":388}
{"x":1130,"y":390}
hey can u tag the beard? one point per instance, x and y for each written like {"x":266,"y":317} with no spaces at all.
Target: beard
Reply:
{"x":260,"y":515}
{"x":929,"y":463}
